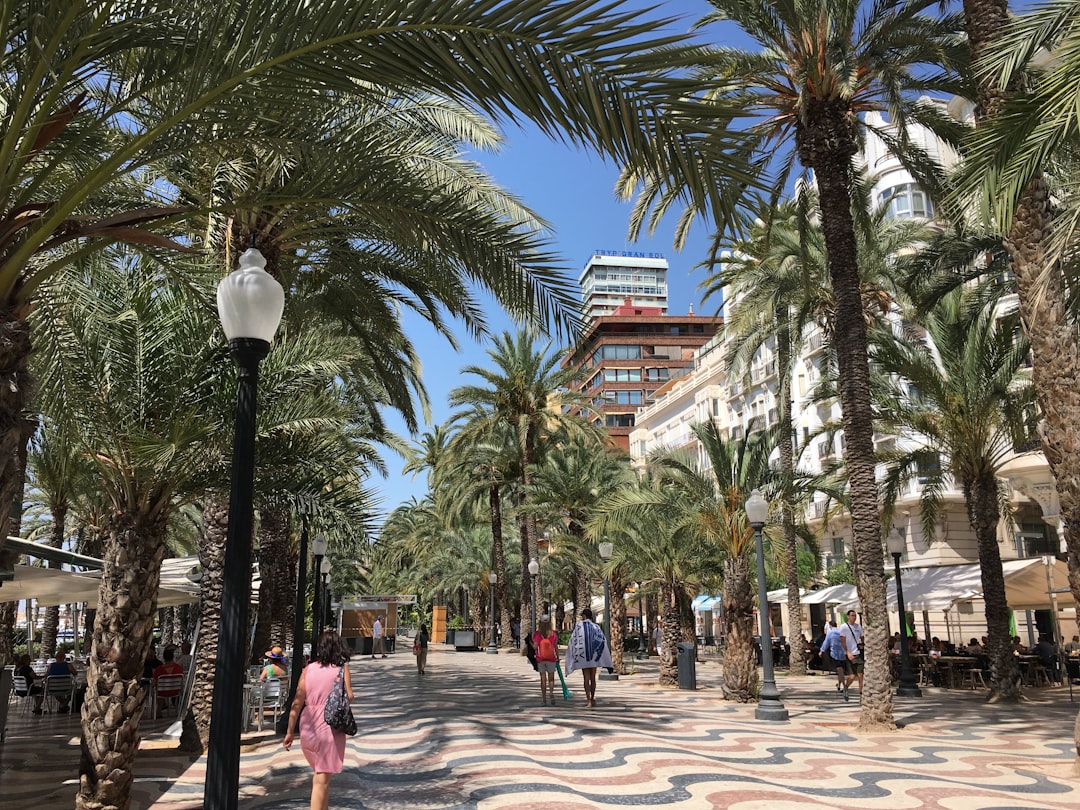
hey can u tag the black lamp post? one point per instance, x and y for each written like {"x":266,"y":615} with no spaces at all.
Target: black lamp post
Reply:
{"x":297,"y":662}
{"x":250,"y":303}
{"x":643,"y":614}
{"x":493,"y":644}
{"x":770,"y":707}
{"x":326,"y":608}
{"x":896,"y":544}
{"x":534,"y":569}
{"x":606,"y":549}
{"x":318,"y":549}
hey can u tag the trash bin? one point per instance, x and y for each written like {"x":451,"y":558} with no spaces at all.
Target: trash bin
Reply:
{"x":687,"y":666}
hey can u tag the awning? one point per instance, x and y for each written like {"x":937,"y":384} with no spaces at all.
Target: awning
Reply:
{"x":52,"y":586}
{"x":40,"y":551}
{"x":939,"y":587}
{"x":833,"y":595}
{"x":780,"y":596}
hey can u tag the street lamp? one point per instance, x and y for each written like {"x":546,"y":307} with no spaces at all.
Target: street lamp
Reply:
{"x":250,"y":303}
{"x":493,"y":645}
{"x":769,"y":707}
{"x":606,"y":548}
{"x":534,"y":569}
{"x":318,"y":550}
{"x":896,"y":545}
{"x":324,"y":609}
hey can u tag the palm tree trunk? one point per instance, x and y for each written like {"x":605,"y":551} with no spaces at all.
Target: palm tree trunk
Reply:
{"x":52,"y":613}
{"x":669,"y":649}
{"x":13,"y":517}
{"x":528,"y":622}
{"x":499,"y":562}
{"x":981,"y":496}
{"x":616,"y":590}
{"x":1042,"y":294}
{"x":740,"y":665}
{"x":123,"y":631}
{"x":196,"y":731}
{"x":826,"y":143}
{"x":274,"y":565}
{"x":787,"y":470}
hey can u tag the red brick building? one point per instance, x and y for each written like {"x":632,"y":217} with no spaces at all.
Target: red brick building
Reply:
{"x":632,"y":352}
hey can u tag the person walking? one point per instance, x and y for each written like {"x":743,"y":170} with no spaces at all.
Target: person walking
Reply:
{"x":323,"y":746}
{"x":377,"y":638}
{"x":420,"y":648}
{"x":847,"y":652}
{"x":588,"y":650}
{"x":546,"y":643}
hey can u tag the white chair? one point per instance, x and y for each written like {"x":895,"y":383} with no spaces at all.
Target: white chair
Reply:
{"x":167,"y":688}
{"x":266,"y":695}
{"x":57,"y":687}
{"x":20,"y":689}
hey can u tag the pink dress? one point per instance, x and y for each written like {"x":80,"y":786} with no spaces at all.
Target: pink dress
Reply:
{"x":323,"y":747}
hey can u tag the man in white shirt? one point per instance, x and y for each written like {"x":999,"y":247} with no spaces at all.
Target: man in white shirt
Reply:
{"x":851,"y":640}
{"x":377,"y":638}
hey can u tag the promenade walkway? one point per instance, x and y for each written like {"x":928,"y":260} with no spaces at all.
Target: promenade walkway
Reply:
{"x":472,"y":734}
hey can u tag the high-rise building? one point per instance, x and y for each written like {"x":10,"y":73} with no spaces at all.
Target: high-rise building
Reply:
{"x":629,"y":354}
{"x":610,"y":277}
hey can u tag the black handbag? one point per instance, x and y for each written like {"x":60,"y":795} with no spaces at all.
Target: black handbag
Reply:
{"x":337,"y":712}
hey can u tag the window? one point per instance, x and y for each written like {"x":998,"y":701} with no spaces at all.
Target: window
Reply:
{"x":838,"y":548}
{"x":1034,"y":540}
{"x":906,"y":200}
{"x":824,"y":449}
{"x":622,"y":375}
{"x":928,"y":467}
{"x":621,"y":420}
{"x":658,"y":374}
{"x":616,"y":352}
{"x":699,"y":329}
{"x":624,"y":397}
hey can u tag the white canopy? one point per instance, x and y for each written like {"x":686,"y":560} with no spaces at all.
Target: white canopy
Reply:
{"x":939,"y":587}
{"x":52,"y":586}
{"x":833,"y":595}
{"x":780,"y":596}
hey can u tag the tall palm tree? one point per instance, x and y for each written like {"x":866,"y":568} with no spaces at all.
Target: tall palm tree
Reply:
{"x":525,"y":391}
{"x":130,"y":361}
{"x":970,"y":403}
{"x":822,"y":64}
{"x":1019,"y":130}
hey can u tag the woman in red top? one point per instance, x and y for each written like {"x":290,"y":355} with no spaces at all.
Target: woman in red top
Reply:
{"x":546,"y":642}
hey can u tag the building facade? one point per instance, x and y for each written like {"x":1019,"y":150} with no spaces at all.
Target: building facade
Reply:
{"x":611,"y":277}
{"x":627,"y":355}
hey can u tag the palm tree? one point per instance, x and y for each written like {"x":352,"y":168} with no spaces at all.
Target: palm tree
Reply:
{"x":822,"y":64}
{"x":572,"y":480}
{"x":970,"y":403}
{"x":525,"y":391}
{"x":130,"y":359}
{"x":1019,"y":131}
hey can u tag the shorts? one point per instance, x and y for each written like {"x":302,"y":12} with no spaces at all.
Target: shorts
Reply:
{"x":545,"y":666}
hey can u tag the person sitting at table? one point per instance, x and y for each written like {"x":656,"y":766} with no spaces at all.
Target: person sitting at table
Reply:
{"x":974,"y":647}
{"x":1046,"y":650}
{"x":152,"y":663}
{"x":169,"y":667}
{"x":24,"y":670}
{"x":894,"y":643}
{"x":935,"y":647}
{"x":1073,"y":646}
{"x":1018,"y":647}
{"x":915,"y":644}
{"x":275,"y":664}
{"x":61,"y":666}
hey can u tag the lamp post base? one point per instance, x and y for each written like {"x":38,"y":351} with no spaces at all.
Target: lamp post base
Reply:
{"x":492,"y":650}
{"x":608,"y":676}
{"x":771,"y":710}
{"x":908,"y":690}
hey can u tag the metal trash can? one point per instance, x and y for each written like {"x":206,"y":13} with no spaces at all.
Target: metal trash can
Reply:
{"x":687,"y":666}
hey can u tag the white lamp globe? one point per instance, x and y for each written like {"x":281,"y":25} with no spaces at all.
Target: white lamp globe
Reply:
{"x":250,"y":301}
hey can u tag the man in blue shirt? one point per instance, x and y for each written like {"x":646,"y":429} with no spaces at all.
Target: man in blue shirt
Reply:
{"x":845,"y":647}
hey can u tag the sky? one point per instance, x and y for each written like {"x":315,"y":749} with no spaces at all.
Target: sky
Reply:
{"x":574,"y":191}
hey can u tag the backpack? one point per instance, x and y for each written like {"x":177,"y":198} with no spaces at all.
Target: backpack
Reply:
{"x":546,"y":651}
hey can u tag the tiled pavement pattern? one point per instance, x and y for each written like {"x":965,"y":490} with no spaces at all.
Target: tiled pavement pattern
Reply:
{"x":472,"y":734}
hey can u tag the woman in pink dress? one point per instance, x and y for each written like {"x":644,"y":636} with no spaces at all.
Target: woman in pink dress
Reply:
{"x":323,"y":747}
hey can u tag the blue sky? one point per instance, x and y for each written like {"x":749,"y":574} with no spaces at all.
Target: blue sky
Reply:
{"x":573,"y":191}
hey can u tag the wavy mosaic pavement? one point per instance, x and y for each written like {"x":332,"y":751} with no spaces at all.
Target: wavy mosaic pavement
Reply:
{"x":472,"y":734}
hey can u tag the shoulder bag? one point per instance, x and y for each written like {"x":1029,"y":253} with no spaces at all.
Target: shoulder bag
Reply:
{"x":337,"y":712}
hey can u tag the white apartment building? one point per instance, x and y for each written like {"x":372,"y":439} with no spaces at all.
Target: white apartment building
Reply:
{"x":612,"y":277}
{"x":706,"y":392}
